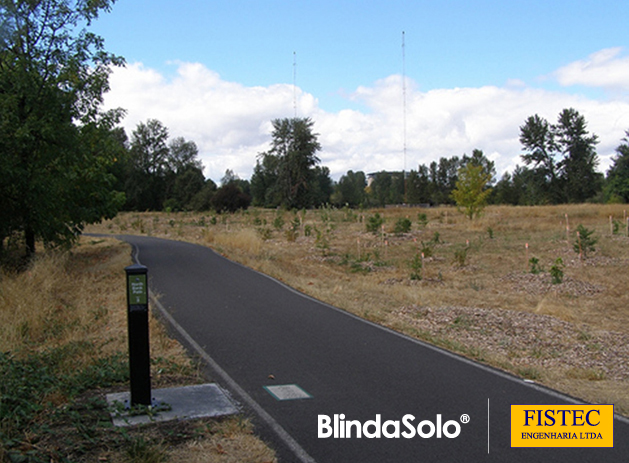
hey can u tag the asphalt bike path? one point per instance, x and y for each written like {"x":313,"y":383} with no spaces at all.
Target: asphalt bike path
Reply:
{"x":256,"y":333}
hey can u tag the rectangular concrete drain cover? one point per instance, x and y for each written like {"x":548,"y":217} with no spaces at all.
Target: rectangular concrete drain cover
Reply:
{"x":185,"y":403}
{"x":287,"y":392}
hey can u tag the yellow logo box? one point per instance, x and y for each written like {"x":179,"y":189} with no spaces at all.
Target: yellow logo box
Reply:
{"x":562,"y":425}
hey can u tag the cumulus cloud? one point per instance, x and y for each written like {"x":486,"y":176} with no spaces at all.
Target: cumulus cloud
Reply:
{"x":605,"y":68}
{"x":231,"y":123}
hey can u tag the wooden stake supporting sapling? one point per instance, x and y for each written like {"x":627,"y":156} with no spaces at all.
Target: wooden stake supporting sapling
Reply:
{"x":567,"y":229}
{"x":611,"y":226}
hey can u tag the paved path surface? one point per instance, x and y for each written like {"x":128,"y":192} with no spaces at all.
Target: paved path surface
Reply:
{"x":251,"y":326}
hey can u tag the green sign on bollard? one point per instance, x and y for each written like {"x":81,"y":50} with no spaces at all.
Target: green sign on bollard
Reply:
{"x":138,"y":327}
{"x":137,"y":289}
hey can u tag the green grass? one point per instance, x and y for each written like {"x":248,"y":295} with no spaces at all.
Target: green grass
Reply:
{"x":32,"y":388}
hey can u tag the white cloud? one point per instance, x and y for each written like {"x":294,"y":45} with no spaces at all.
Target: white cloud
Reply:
{"x":231,"y":123}
{"x":605,"y":68}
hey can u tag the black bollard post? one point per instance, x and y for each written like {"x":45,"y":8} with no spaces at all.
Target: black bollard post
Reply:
{"x":138,"y":327}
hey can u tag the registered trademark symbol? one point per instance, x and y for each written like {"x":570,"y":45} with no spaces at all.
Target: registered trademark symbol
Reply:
{"x":465,"y":418}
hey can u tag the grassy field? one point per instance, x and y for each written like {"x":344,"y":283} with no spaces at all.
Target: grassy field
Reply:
{"x":63,"y":346}
{"x":507,"y":289}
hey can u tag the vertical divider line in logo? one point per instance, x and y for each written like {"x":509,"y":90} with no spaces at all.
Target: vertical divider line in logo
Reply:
{"x":488,"y":426}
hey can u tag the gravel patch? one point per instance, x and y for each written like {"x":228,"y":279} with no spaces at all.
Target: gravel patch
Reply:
{"x":542,"y":284}
{"x":527,"y":339}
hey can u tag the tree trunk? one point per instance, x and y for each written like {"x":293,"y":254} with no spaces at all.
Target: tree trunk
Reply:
{"x":29,"y":236}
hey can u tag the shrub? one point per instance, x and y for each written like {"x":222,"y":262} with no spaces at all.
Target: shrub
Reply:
{"x":402,"y":226}
{"x":427,"y":249}
{"x":422,"y":220}
{"x":293,"y":232}
{"x":230,"y":198}
{"x":416,"y":267}
{"x":374,"y":224}
{"x":585,"y":241}
{"x":535,"y":268}
{"x":265,"y":233}
{"x":322,"y":239}
{"x":278,"y":222}
{"x":460,"y":256}
{"x":556,"y":271}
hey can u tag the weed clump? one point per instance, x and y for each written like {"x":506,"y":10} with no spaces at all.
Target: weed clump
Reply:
{"x":417,"y":264}
{"x":556,"y":271}
{"x":460,"y":256}
{"x":534,"y":266}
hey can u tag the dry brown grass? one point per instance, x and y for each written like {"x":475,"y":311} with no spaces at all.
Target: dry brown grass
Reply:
{"x":79,"y":299}
{"x":231,"y":441}
{"x":370,"y":275}
{"x":64,"y":298}
{"x":75,"y":297}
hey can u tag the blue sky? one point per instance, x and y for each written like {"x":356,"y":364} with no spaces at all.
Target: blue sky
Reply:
{"x":461,"y":57}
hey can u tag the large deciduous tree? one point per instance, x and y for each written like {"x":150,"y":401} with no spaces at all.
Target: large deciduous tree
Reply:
{"x":53,"y":138}
{"x":146,"y":182}
{"x":538,"y":140}
{"x":163,"y":174}
{"x":471,"y":190}
{"x":571,"y":178}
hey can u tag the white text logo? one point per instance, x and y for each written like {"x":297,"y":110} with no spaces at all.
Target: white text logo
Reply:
{"x":339,"y":428}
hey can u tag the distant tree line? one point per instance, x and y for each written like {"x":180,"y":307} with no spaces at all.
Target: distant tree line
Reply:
{"x":157,"y":173}
{"x":560,"y":162}
{"x":559,"y":166}
{"x":429,"y":185}
{"x":66,"y":163}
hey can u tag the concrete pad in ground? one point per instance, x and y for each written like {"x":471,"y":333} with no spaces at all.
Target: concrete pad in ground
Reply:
{"x":186,"y":403}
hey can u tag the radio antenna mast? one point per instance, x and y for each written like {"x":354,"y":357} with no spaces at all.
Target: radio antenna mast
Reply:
{"x":404,"y":104}
{"x":295,"y":83}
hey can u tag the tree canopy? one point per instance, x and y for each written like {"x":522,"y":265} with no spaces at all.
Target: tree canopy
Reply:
{"x":288,"y":175}
{"x":162,"y":173}
{"x":56,"y":143}
{"x":563,"y":159}
{"x":471,"y":190}
{"x":617,"y":188}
